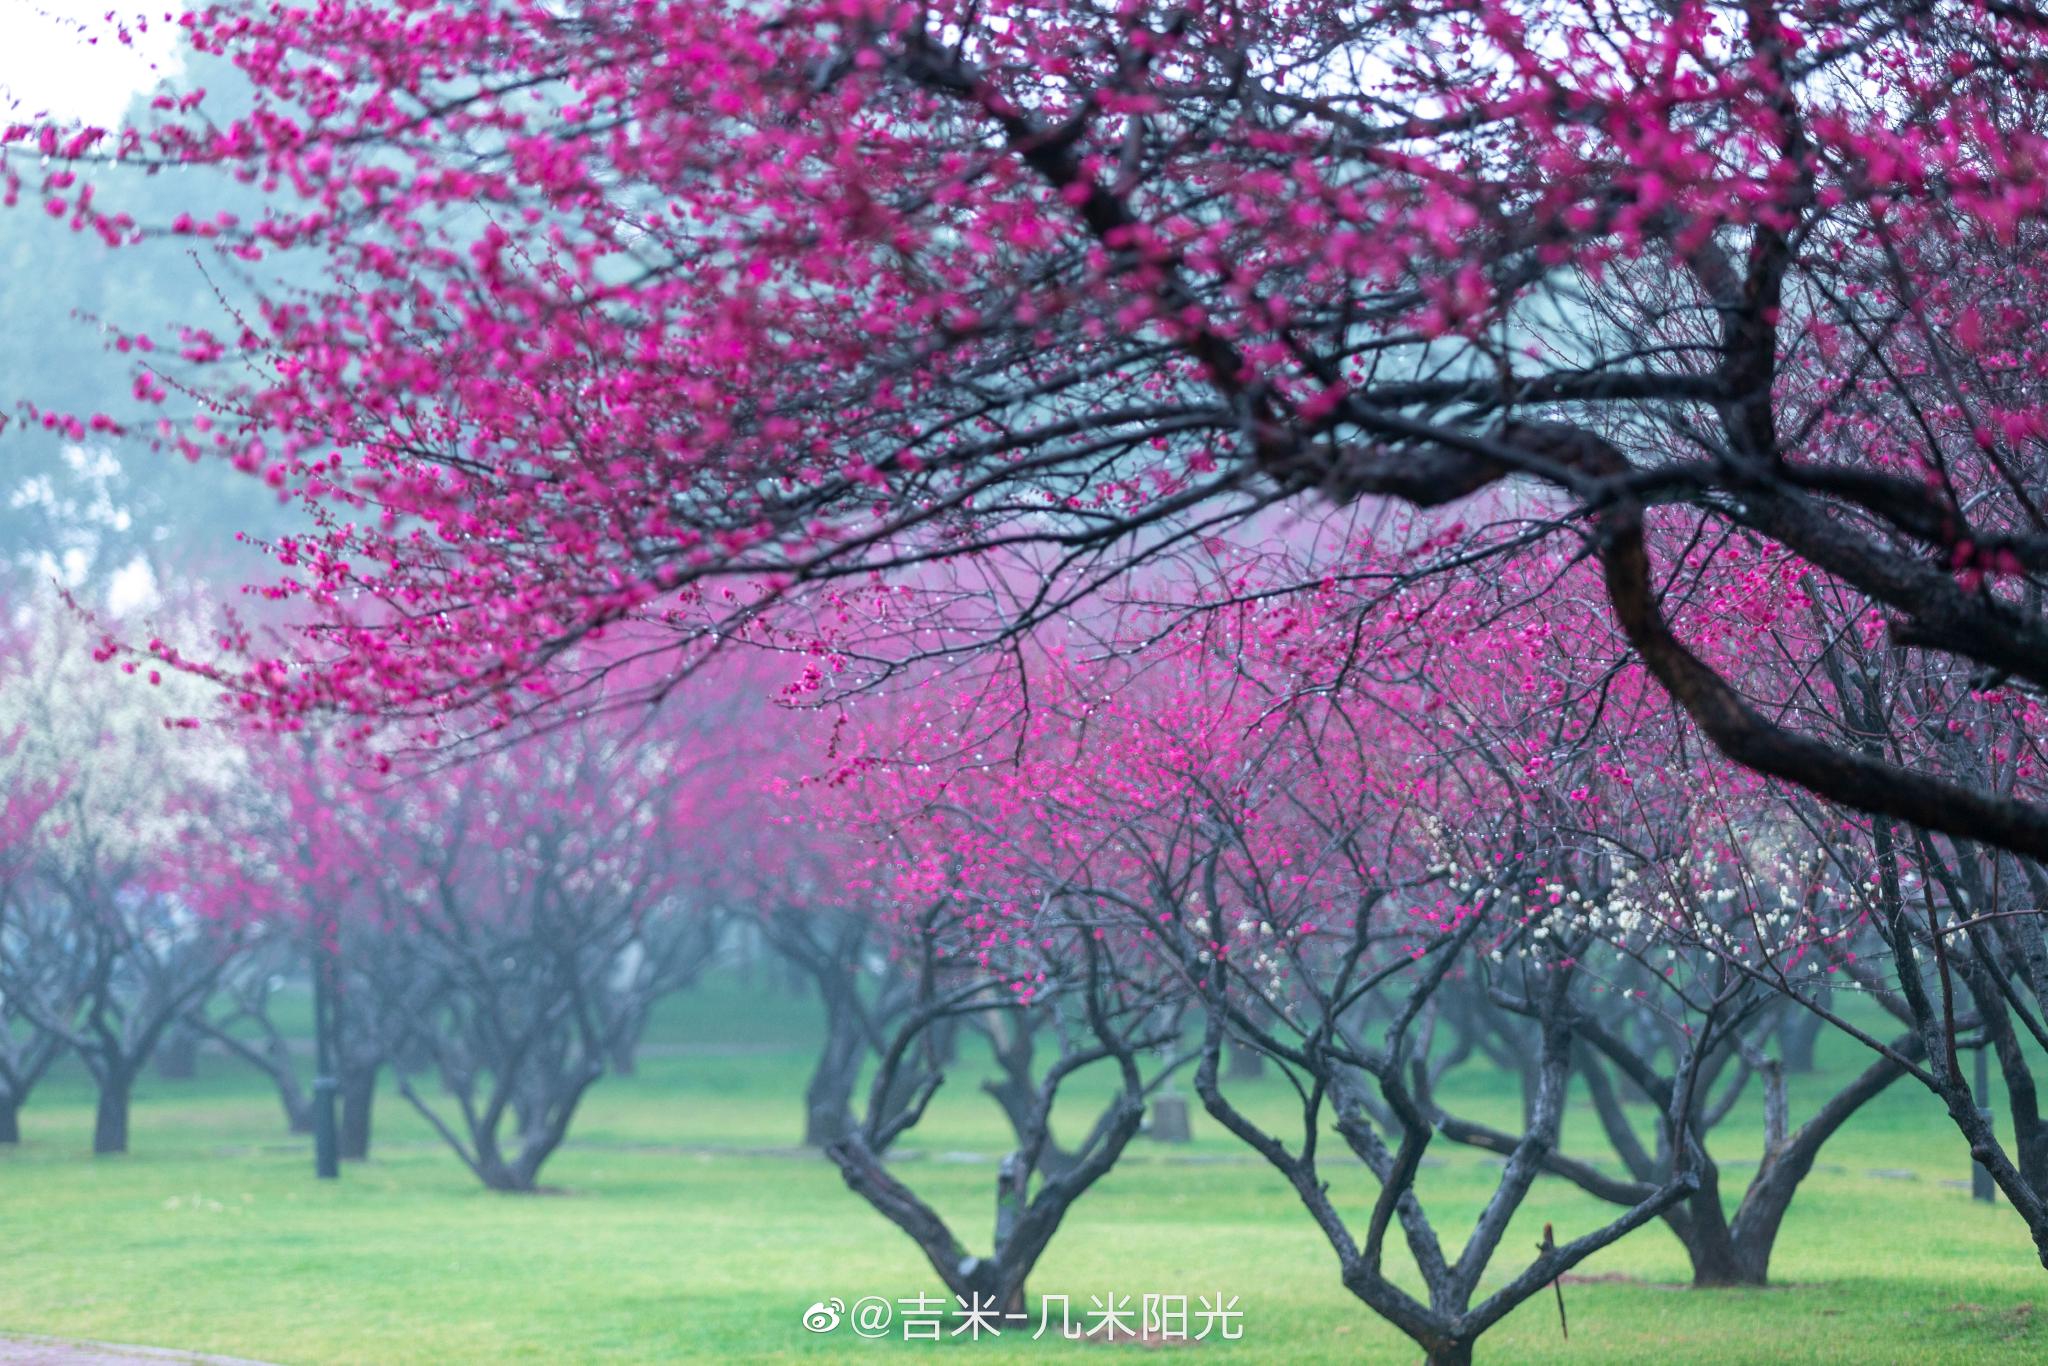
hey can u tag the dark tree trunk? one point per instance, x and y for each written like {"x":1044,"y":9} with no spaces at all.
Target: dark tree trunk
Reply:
{"x":1790,"y":1157}
{"x":110,"y":1121}
{"x":10,"y":1121}
{"x":900,"y":1095}
{"x":828,"y":1096}
{"x":1016,"y":1091}
{"x":966,"y":1276}
{"x":542,"y":1113}
{"x":1717,"y":1263}
{"x":992,"y":1282}
{"x":177,"y":1056}
{"x":491,"y":1168}
{"x":828,"y":1106}
{"x":1170,"y":1120}
{"x":945,"y":1041}
{"x":624,"y":1053}
{"x":507,"y":1180}
{"x":1532,"y":1081}
{"x":358,"y":1098}
{"x":1798,"y":1038}
{"x":413,"y":1053}
{"x":1702,"y":1228}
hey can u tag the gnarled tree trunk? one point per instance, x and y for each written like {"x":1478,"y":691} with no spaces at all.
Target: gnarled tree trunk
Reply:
{"x":110,"y":1118}
{"x":177,"y":1056}
{"x":828,"y":1095}
{"x":358,"y":1098}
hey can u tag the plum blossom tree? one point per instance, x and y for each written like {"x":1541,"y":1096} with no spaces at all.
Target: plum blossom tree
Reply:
{"x":538,"y":891}
{"x":1306,"y":857}
{"x":1667,"y":874}
{"x":954,"y":857}
{"x":838,"y":939}
{"x":240,"y":1019}
{"x":508,"y":923}
{"x":36,"y":968}
{"x":799,"y":292}
{"x":1652,"y":987}
{"x":1299,"y":835}
{"x":1659,"y":942}
{"x":1942,"y":933}
{"x":104,"y":951}
{"x":1796,"y":894}
{"x":662,"y":324}
{"x":298,"y":856}
{"x":43,"y":982}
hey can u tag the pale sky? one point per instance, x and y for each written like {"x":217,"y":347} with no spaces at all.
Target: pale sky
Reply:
{"x":49,"y":65}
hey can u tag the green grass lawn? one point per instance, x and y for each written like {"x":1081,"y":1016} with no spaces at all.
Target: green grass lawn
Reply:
{"x":684,"y":1227}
